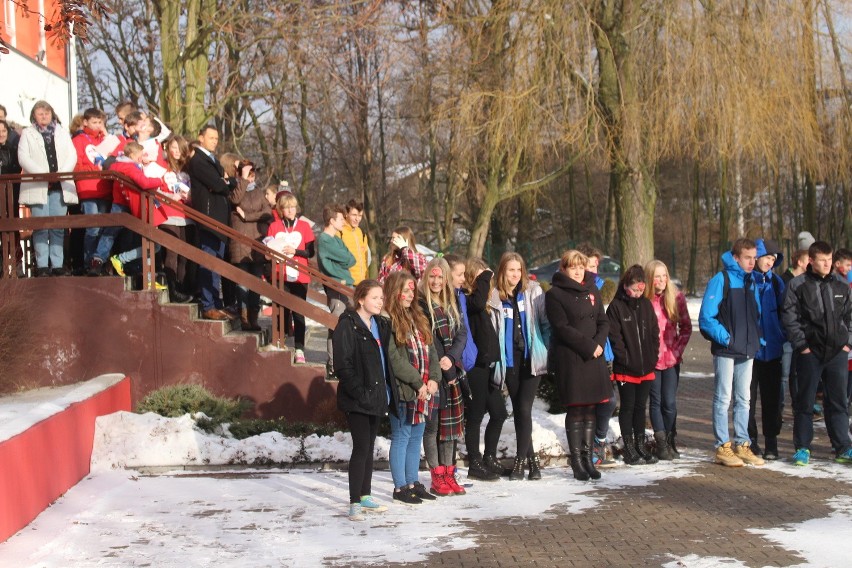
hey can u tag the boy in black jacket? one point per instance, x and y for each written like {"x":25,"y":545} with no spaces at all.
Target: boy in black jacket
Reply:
{"x":817,"y":316}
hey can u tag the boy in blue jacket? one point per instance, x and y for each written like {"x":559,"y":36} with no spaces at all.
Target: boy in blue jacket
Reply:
{"x":766,"y":374}
{"x":730,"y":319}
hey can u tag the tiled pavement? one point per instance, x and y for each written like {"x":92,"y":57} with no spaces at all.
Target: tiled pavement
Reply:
{"x":706,"y":513}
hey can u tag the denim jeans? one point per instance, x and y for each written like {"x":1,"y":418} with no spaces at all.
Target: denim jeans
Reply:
{"x":210,"y":282}
{"x":663,"y":397}
{"x":834,"y":376}
{"x":404,"y":454}
{"x":49,"y":243}
{"x":733,"y":377}
{"x":108,"y":234}
{"x":90,"y":240}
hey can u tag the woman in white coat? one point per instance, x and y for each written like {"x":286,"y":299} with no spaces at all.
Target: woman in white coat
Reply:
{"x":46,"y":147}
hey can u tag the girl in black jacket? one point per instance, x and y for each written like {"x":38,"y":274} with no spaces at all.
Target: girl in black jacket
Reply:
{"x":485,"y":397}
{"x":635,"y":339}
{"x":365,"y":390}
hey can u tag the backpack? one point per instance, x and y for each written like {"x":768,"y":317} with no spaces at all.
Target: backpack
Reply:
{"x":723,"y":306}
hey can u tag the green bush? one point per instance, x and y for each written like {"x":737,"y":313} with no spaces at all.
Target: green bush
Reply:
{"x":241,"y":429}
{"x":177,"y":400}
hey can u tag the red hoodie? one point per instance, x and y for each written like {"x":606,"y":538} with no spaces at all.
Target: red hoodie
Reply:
{"x":90,"y":188}
{"x":122,"y":195}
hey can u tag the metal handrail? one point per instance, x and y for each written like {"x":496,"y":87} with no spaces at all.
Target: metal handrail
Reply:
{"x":11,"y":225}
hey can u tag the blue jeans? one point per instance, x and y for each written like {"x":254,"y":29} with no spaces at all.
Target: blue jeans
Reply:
{"x":49,"y":243}
{"x":90,"y":240}
{"x":108,"y":234}
{"x":404,"y":454}
{"x":210,"y":282}
{"x":733,"y":376}
{"x":834,"y":376}
{"x":663,"y":399}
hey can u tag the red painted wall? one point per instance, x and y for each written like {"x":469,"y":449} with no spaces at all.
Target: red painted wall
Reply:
{"x":39,"y":465}
{"x":28,"y":34}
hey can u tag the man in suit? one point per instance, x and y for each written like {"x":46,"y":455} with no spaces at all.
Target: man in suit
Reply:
{"x":210,"y":196}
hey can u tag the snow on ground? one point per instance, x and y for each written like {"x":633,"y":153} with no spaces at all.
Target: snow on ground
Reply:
{"x":275,"y":518}
{"x":18,"y":412}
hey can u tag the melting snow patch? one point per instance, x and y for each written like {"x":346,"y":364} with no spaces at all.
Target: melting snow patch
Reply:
{"x":695,"y":561}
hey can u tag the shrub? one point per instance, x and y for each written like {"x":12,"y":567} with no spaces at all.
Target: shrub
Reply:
{"x":177,"y":400}
{"x":548,"y":393}
{"x":241,"y":429}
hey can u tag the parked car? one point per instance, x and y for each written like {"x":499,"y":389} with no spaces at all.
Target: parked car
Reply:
{"x":608,"y":268}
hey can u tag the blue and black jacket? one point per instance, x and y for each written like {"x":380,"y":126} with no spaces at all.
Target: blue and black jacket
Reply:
{"x":732,"y":325}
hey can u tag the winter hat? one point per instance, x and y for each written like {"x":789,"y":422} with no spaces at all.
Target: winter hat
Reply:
{"x":806,"y":240}
{"x":768,"y":246}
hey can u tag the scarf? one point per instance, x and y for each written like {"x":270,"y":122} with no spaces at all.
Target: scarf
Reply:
{"x":418,"y":355}
{"x":46,"y":132}
{"x":443,"y":325}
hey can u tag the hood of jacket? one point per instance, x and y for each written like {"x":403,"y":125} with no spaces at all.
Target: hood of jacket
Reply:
{"x":769,"y":246}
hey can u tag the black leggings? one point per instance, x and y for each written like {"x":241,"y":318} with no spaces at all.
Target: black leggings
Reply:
{"x":299,"y":290}
{"x":522,"y":388}
{"x":485,"y":398}
{"x":631,"y":414}
{"x":364,"y":428}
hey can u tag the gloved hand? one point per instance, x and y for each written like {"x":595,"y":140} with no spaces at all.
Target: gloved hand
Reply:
{"x":400,"y":242}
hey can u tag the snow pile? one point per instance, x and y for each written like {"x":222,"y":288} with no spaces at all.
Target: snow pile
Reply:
{"x":128,"y":440}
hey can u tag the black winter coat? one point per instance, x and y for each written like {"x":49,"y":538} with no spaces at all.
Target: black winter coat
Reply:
{"x":808,"y":323}
{"x":578,"y":326}
{"x":210,"y":193}
{"x":481,"y":329}
{"x":363,"y":386}
{"x":633,"y":334}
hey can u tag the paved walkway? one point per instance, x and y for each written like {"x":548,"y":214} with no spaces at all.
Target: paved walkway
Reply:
{"x":706,"y":514}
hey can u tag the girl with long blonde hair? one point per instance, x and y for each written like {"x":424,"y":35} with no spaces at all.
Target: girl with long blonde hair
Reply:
{"x":446,"y":426}
{"x":675,"y":329}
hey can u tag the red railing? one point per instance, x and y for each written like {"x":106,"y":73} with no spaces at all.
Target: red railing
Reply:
{"x":11,"y":226}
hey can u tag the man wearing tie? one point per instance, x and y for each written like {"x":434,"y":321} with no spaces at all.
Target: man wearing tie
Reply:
{"x":210,"y":196}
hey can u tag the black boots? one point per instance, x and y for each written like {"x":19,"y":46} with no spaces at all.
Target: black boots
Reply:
{"x":575,"y":447}
{"x":518,"y":469}
{"x":586,"y":452}
{"x":629,"y":454}
{"x":534,"y":465}
{"x":639,"y":441}
{"x":477,"y":470}
{"x":671,"y":439}
{"x":662,"y":449}
{"x":492,"y":464}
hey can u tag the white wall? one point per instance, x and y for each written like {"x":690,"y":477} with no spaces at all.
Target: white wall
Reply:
{"x":23,"y":82}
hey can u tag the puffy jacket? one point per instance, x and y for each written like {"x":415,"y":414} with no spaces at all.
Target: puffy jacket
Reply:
{"x":130,"y":197}
{"x":33,"y":159}
{"x":599,"y":284}
{"x":817,"y":314}
{"x":90,"y":188}
{"x":537,"y":332}
{"x":633,"y":334}
{"x":356,"y":241}
{"x":770,"y":290}
{"x":360,"y":366}
{"x":735,"y":331}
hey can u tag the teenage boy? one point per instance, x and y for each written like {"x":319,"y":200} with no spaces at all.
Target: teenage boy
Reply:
{"x":356,"y":240}
{"x":730,"y":318}
{"x":766,"y":374}
{"x":95,"y":194}
{"x":842,"y":264}
{"x":818,"y":317}
{"x":335,"y":261}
